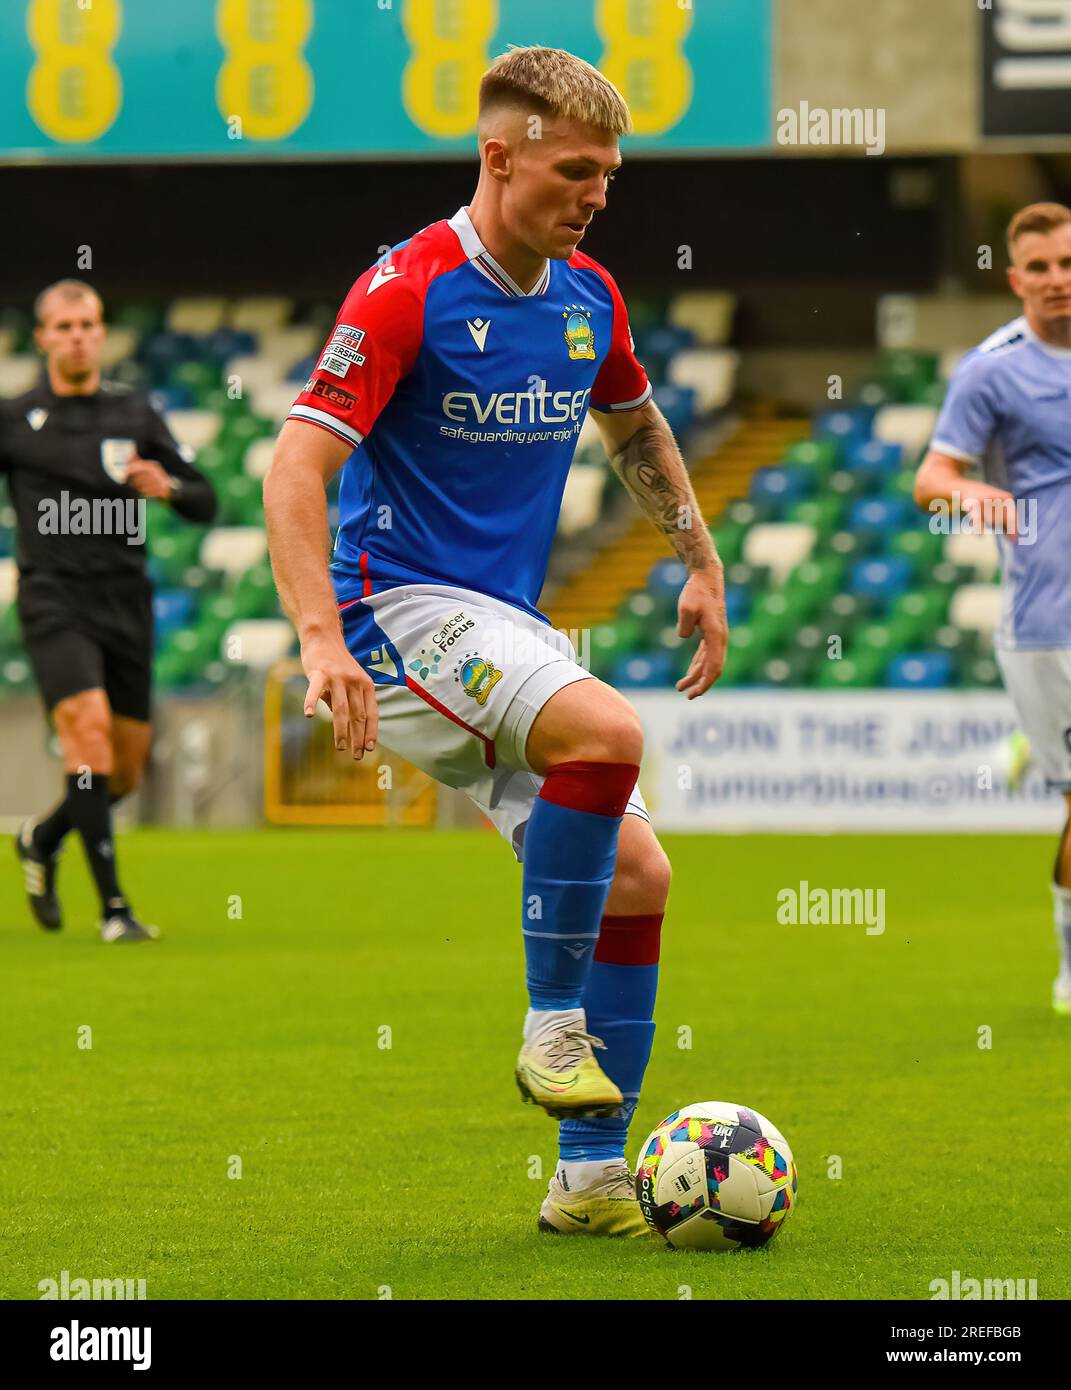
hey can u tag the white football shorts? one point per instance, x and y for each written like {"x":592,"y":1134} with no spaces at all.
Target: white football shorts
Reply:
{"x":460,"y":678}
{"x":1039,"y":683}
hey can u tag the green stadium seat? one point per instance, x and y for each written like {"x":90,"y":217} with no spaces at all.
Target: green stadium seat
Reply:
{"x":818,"y":578}
{"x":922,"y":548}
{"x":728,"y":541}
{"x":651,"y":611}
{"x":983,"y":671}
{"x":851,"y":673}
{"x":823,"y":514}
{"x":749,"y":645}
{"x":784,"y":610}
{"x":906,"y":374}
{"x":611,"y":641}
{"x":924,"y":610}
{"x":854,"y":545}
{"x":788,"y":669}
{"x":241,"y":501}
{"x":823,"y":455}
{"x":255,"y":595}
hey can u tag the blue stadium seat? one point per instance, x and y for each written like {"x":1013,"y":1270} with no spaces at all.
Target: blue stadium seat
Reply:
{"x":646,"y":671}
{"x":172,"y":609}
{"x":846,"y":427}
{"x":920,"y":671}
{"x":663,"y":341}
{"x":301,"y":371}
{"x":667,"y":577}
{"x":677,"y":404}
{"x":879,"y":514}
{"x":737,"y":604}
{"x":875,"y":457}
{"x":166,"y":398}
{"x":783,"y":486}
{"x":883,"y":578}
{"x":228,"y":342}
{"x":161,"y":352}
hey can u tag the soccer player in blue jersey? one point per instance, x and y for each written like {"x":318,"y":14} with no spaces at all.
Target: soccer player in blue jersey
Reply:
{"x":1008,"y":409}
{"x":451,"y":393}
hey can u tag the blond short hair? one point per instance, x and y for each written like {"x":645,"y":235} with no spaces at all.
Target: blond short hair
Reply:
{"x":1037,"y":217}
{"x":66,"y":289}
{"x":552,"y":82}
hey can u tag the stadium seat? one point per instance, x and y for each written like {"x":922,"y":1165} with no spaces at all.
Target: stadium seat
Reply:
{"x":781,"y":487}
{"x":878,"y":514}
{"x":921,"y":547}
{"x":199,"y":316}
{"x":922,"y":611}
{"x":232,"y":549}
{"x":977,"y":607}
{"x":677,"y":404}
{"x":821,"y":455}
{"x":844,"y":427}
{"x":709,"y":372}
{"x":779,"y":547}
{"x":920,"y":671}
{"x":667,"y":577}
{"x":260,"y":313}
{"x":706,"y":314}
{"x":978,"y":552}
{"x":256,"y":461}
{"x":194,"y":428}
{"x":18,"y":374}
{"x":582,"y":498}
{"x":610,"y":642}
{"x":908,"y":425}
{"x":788,"y":668}
{"x":119,"y":344}
{"x":228,"y":342}
{"x":647,"y":612}
{"x":822,"y":514}
{"x":273,"y":402}
{"x":854,"y":672}
{"x":820,"y":578}
{"x":257,"y":642}
{"x":293,"y":343}
{"x":9,"y":581}
{"x":172,"y":609}
{"x":882,"y":577}
{"x":875,"y":457}
{"x":737,"y":604}
{"x":645,"y":671}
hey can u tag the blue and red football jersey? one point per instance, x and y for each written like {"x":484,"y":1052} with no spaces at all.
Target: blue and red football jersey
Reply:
{"x":463,"y":398}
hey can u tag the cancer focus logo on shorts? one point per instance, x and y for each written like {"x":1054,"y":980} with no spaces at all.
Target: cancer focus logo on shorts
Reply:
{"x":477,"y":676}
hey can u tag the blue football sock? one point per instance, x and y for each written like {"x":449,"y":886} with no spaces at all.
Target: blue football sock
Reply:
{"x":570,"y":849}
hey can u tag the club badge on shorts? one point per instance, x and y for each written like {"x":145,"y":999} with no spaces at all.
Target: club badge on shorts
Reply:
{"x":115,"y":456}
{"x":477,"y":676}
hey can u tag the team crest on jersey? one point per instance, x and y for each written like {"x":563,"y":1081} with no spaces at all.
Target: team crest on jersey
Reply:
{"x":36,"y":418}
{"x":115,"y":456}
{"x":579,"y":334}
{"x":477,"y":676}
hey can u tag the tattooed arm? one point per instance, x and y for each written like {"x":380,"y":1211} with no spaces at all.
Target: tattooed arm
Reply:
{"x":645,"y":457}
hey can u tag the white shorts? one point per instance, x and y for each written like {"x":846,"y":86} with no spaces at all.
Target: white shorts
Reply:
{"x":460,"y":678}
{"x":1039,"y":683}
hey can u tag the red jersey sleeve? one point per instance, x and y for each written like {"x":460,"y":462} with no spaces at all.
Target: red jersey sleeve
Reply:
{"x":621,"y":383}
{"x":373,"y":345}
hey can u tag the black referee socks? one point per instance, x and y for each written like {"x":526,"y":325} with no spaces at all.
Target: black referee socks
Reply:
{"x":90,"y":811}
{"x":50,"y":830}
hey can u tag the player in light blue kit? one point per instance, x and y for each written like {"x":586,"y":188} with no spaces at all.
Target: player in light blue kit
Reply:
{"x":452,"y":392}
{"x":1008,"y":410}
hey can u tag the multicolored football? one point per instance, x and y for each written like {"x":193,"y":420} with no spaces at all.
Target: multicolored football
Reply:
{"x":716,"y":1176}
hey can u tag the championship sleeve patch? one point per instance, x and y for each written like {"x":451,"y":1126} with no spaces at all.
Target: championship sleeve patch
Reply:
{"x":341,"y":352}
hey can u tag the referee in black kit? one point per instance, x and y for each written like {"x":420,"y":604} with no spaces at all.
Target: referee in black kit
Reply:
{"x":83,"y":459}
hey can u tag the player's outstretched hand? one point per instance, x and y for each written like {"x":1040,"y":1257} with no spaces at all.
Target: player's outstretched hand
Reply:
{"x":347,"y":690}
{"x":702,"y":606}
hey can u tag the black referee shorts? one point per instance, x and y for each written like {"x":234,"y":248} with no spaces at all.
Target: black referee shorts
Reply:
{"x":88,"y":632}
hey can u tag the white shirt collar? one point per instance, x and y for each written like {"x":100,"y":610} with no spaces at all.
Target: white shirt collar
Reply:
{"x":1051,"y":348}
{"x":484,"y":262}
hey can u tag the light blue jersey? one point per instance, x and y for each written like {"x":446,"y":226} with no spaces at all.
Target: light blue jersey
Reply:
{"x":1009,"y":409}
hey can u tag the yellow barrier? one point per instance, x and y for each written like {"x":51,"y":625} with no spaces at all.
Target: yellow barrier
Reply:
{"x":308,"y":782}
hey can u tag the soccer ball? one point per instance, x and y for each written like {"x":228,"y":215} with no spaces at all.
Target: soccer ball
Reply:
{"x":715,"y":1176}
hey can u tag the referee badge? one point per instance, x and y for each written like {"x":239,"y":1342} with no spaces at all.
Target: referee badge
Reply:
{"x":36,"y":418}
{"x":115,"y":456}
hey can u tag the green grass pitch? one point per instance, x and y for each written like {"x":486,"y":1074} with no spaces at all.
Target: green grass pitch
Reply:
{"x":415,"y":1168}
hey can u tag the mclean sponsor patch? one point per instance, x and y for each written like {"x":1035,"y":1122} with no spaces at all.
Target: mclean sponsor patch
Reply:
{"x":334,"y":395}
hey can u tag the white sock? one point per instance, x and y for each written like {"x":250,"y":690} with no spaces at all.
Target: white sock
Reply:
{"x":576,"y":1174}
{"x":1061,"y":905}
{"x":538,"y":1022}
